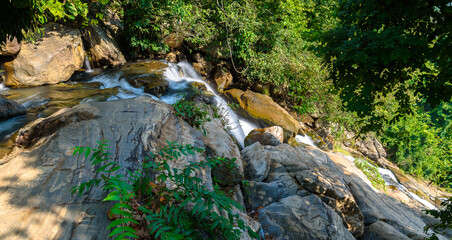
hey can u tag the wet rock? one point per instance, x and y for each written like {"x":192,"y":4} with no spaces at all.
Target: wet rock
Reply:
{"x":255,"y":163}
{"x":306,"y":217}
{"x":139,"y":69}
{"x":53,"y":58}
{"x":263,"y":107}
{"x":153,"y":84}
{"x":9,"y":108}
{"x":266,"y":136}
{"x":103,"y":50}
{"x":10,"y":48}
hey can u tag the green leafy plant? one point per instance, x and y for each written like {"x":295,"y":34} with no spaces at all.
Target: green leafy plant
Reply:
{"x":194,"y":114}
{"x":371,"y":172}
{"x":445,"y":217}
{"x":163,"y":202}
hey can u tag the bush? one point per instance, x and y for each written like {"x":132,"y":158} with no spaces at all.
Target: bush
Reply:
{"x":445,"y":217}
{"x":174,"y":202}
{"x":194,"y":114}
{"x":371,"y":172}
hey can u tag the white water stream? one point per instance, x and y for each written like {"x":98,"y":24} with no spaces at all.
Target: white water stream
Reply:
{"x":179,"y":76}
{"x":182,"y":74}
{"x":391,"y":180}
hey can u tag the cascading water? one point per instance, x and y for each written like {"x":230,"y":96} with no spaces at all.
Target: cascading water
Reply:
{"x":305,"y":139}
{"x":182,"y":74}
{"x":87,"y":65}
{"x":391,"y":180}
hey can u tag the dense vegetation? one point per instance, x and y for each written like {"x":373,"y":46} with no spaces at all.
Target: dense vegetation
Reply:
{"x":381,"y":66}
{"x":163,"y":202}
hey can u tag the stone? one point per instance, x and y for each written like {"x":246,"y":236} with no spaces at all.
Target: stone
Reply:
{"x":219,"y":144}
{"x":309,"y":171}
{"x":174,"y":40}
{"x":53,"y":58}
{"x":35,"y":181}
{"x":171,"y":57}
{"x":371,"y":148}
{"x":9,"y":108}
{"x":266,"y":136}
{"x":306,"y":217}
{"x":382,"y":231}
{"x":103,"y":50}
{"x":222,"y":78}
{"x":11,"y":47}
{"x":153,"y":84}
{"x":263,"y":107}
{"x":255,"y":164}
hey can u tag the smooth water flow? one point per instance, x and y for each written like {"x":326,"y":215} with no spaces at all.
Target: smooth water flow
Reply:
{"x":182,"y":74}
{"x":305,"y":139}
{"x":391,"y":180}
{"x":87,"y":65}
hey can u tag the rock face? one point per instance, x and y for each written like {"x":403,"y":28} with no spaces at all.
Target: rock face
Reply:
{"x":297,"y":171}
{"x":10,"y":48}
{"x":306,"y":217}
{"x":219,"y":144}
{"x":9,"y":108}
{"x":265,"y":136}
{"x":103,"y":50}
{"x":52,"y":59}
{"x":261,"y":106}
{"x":35,"y":181}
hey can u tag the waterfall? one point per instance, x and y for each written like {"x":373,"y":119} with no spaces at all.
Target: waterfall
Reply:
{"x":3,"y":87}
{"x":305,"y":139}
{"x":87,"y":65}
{"x":182,"y":74}
{"x":391,"y":180}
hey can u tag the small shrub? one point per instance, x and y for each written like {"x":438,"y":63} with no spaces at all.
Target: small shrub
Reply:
{"x":371,"y":172}
{"x":445,"y":217}
{"x":163,"y":203}
{"x":194,"y":114}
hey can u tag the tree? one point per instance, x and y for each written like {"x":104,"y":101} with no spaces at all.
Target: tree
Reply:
{"x":381,"y":46}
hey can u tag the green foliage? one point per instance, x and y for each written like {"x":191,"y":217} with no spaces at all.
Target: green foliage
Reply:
{"x":378,"y":45}
{"x":371,"y":172}
{"x":175,"y":202}
{"x":420,"y":143}
{"x":194,"y":114}
{"x":23,"y":17}
{"x":445,"y":217}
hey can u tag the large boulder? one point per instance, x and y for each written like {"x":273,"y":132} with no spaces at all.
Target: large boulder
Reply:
{"x":35,"y":182}
{"x":36,"y":178}
{"x":297,"y":171}
{"x":53,"y":58}
{"x":11,"y":47}
{"x":263,"y":107}
{"x":265,"y":136}
{"x":306,"y":217}
{"x":103,"y":50}
{"x":9,"y":108}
